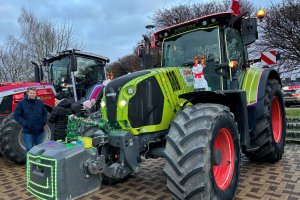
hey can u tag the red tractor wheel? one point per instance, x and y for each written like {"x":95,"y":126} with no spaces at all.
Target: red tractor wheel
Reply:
{"x":223,"y":171}
{"x":276,"y":119}
{"x":270,"y":138}
{"x":203,"y":153}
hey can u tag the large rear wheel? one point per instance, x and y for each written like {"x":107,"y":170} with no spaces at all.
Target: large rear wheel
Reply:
{"x":203,"y":153}
{"x":11,"y":140}
{"x":270,"y":139}
{"x":5,"y":119}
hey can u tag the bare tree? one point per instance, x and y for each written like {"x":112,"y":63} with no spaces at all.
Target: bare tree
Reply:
{"x":14,"y":62}
{"x":39,"y":37}
{"x":42,"y":37}
{"x":124,"y":65}
{"x":184,"y":12}
{"x":281,"y":31}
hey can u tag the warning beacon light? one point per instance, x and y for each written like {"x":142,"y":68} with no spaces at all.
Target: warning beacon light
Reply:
{"x":260,"y":14}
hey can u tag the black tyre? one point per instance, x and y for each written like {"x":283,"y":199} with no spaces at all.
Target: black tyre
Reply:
{"x":11,"y":140}
{"x":4,"y":121}
{"x":1,"y":119}
{"x":203,"y":153}
{"x":271,"y":138}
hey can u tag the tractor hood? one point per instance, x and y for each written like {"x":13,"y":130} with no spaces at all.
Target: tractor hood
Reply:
{"x":113,"y":87}
{"x":145,"y":101}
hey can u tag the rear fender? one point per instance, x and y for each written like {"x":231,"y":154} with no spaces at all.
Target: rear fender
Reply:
{"x":254,"y":83}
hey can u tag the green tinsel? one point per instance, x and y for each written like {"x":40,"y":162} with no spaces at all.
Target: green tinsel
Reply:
{"x":75,"y":123}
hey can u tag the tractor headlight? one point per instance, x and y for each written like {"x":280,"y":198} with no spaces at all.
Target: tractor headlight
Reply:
{"x":102,"y":104}
{"x":130,"y":90}
{"x":123,"y":103}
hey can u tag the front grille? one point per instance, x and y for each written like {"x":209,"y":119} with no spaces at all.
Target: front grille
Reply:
{"x":111,"y":107}
{"x":112,"y":92}
{"x":146,"y":106}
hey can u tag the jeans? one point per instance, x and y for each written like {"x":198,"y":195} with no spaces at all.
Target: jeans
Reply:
{"x":31,"y":140}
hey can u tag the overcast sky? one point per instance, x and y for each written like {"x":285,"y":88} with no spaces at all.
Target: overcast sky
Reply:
{"x":107,"y":27}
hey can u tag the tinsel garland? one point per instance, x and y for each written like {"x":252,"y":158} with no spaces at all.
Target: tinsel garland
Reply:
{"x":75,"y":123}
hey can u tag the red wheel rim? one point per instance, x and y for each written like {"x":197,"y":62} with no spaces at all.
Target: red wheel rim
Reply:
{"x":223,"y":173}
{"x":276,"y":120}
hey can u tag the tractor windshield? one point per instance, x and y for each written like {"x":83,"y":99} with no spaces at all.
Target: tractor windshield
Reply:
{"x":180,"y":50}
{"x":59,"y":73}
{"x":90,"y":71}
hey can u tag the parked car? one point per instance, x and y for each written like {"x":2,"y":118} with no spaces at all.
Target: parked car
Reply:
{"x":291,"y":97}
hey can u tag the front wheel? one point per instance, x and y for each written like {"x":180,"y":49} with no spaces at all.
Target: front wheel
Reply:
{"x":203,"y":153}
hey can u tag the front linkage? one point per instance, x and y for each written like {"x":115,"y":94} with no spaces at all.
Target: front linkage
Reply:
{"x":92,"y":153}
{"x":117,"y":149}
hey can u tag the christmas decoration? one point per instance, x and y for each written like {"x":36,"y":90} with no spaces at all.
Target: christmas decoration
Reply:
{"x":199,"y":81}
{"x":75,"y":124}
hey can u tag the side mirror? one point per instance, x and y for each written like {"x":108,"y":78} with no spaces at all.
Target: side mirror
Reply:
{"x":41,"y":73}
{"x":140,"y":51}
{"x":146,"y":61}
{"x":73,"y":61}
{"x":249,"y":30}
{"x":37,"y":77}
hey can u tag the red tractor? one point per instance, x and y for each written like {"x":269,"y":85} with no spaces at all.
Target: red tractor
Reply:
{"x":70,"y":74}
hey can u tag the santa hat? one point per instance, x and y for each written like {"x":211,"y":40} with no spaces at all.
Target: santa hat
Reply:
{"x":89,"y":103}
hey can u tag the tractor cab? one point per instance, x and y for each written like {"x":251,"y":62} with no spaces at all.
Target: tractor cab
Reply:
{"x":74,"y":73}
{"x":218,"y":41}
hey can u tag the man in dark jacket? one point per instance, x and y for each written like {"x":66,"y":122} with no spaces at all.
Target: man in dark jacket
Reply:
{"x":31,"y":114}
{"x":59,"y":117}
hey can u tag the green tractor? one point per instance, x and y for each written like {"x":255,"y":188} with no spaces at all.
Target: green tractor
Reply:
{"x":200,"y":133}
